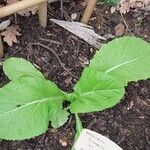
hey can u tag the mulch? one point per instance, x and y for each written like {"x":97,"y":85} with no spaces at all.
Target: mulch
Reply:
{"x":128,"y":123}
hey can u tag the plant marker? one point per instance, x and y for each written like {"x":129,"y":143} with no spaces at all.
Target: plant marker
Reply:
{"x":88,"y":11}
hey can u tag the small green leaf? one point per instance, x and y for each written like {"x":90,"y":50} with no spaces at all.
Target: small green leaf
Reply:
{"x":57,"y":115}
{"x":96,"y":91}
{"x":25,"y":107}
{"x":127,"y":59}
{"x":14,"y":68}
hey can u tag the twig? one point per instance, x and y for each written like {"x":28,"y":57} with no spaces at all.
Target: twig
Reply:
{"x":51,"y":41}
{"x":54,"y":53}
{"x":126,"y":24}
{"x":61,"y":7}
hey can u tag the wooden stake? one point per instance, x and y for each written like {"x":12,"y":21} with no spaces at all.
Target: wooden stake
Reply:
{"x":18,"y":6}
{"x":1,"y":48}
{"x":43,"y":14}
{"x":88,"y":11}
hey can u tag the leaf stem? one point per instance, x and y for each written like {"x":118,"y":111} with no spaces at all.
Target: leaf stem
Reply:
{"x":79,"y":128}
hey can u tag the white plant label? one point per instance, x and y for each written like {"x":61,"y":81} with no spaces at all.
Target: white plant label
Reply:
{"x":90,"y":140}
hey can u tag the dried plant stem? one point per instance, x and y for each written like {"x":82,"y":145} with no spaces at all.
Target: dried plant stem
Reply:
{"x":43,"y":14}
{"x":54,"y":53}
{"x":50,"y":41}
{"x":88,"y":11}
{"x":1,"y":48}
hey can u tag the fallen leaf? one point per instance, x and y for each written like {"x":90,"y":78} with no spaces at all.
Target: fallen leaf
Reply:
{"x":119,"y":29}
{"x":10,"y":35}
{"x":125,"y":5}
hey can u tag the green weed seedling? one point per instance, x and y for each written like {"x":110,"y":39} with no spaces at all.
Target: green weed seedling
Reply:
{"x":29,"y":101}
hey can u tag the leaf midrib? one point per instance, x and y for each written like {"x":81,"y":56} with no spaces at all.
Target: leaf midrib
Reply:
{"x":32,"y":103}
{"x":30,"y":74}
{"x":119,"y":65}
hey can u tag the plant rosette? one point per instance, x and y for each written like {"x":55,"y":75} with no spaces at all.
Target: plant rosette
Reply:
{"x":29,"y":101}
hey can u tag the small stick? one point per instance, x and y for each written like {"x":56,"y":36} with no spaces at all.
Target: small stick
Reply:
{"x":43,"y":14}
{"x":61,"y":7}
{"x":88,"y":11}
{"x":50,"y":41}
{"x":54,"y":53}
{"x":126,"y":24}
{"x":1,"y":48}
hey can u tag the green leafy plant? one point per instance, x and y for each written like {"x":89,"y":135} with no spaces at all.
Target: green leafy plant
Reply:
{"x":29,"y":102}
{"x":109,"y":2}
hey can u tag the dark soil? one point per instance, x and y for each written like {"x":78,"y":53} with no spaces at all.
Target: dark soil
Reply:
{"x":128,"y":123}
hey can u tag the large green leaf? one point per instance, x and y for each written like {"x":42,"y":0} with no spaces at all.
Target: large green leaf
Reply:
{"x":95,"y":91}
{"x":127,"y":59}
{"x":25,"y":107}
{"x":14,"y":68}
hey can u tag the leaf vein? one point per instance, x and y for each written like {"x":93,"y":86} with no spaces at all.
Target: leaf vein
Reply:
{"x":119,"y":65}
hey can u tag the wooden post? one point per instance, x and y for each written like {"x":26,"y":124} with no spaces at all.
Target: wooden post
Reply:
{"x":88,"y":11}
{"x":1,"y":48}
{"x":18,"y":6}
{"x":43,"y":14}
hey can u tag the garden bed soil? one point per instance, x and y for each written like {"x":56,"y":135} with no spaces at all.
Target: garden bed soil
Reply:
{"x":128,"y":123}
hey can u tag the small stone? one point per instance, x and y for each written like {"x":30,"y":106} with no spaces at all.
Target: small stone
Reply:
{"x":63,"y":143}
{"x":73,"y":16}
{"x":53,"y":130}
{"x":106,"y":12}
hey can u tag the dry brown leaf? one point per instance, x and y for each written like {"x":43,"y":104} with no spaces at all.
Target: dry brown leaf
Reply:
{"x":10,"y":35}
{"x":125,"y":5}
{"x":120,"y":28}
